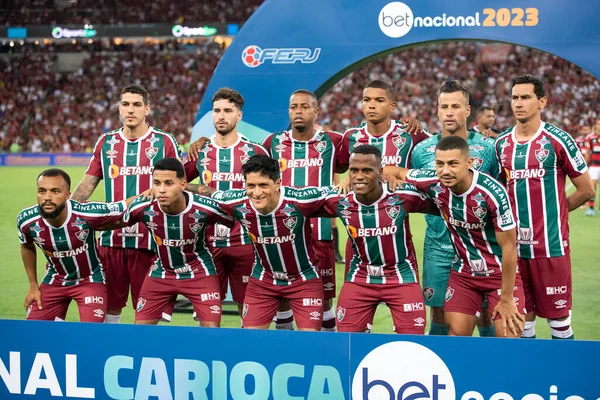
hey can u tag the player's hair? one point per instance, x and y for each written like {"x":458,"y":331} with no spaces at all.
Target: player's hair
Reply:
{"x":379,"y":84}
{"x":453,"y":143}
{"x":538,"y":84}
{"x":52,"y":172}
{"x":368,"y":149}
{"x":231,"y":95}
{"x":483,"y":109}
{"x":310,"y":94}
{"x":170,"y":164}
{"x":136,"y":89}
{"x":263,"y":165}
{"x":453,"y":86}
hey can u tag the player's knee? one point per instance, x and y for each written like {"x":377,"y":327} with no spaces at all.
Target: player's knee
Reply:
{"x":437,"y":315}
{"x":561,"y":328}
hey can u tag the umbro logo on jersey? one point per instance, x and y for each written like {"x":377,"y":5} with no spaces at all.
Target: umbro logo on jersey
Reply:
{"x":111,"y":153}
{"x":39,"y":240}
{"x":151,"y":225}
{"x":280,"y":147}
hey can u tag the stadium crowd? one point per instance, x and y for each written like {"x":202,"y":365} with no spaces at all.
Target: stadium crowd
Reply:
{"x":65,"y":111}
{"x":46,"y":12}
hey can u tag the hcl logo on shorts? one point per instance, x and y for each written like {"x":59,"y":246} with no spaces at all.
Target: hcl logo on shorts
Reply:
{"x":402,"y":370}
{"x":253,"y":56}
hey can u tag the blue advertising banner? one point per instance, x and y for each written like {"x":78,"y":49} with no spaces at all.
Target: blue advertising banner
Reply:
{"x":45,"y":159}
{"x":284,"y":47}
{"x":45,"y":360}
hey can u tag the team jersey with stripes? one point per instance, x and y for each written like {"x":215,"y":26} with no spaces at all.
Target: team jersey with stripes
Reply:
{"x":395,"y":145}
{"x":221,"y":168}
{"x":307,"y":163}
{"x":382,"y":247}
{"x":593,"y":146}
{"x":126,"y":167}
{"x":472,"y":218}
{"x":583,"y":144}
{"x":437,"y":245}
{"x":70,"y":250}
{"x":535,"y":174}
{"x":178,"y":239}
{"x":282,"y":238}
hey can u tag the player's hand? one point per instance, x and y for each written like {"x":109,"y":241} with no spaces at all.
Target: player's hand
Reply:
{"x":344,"y":187}
{"x":196,"y":147}
{"x":33,"y":294}
{"x":413,"y":126}
{"x":488,"y":133}
{"x":148,"y":194}
{"x":509,"y":317}
{"x":392,"y":182}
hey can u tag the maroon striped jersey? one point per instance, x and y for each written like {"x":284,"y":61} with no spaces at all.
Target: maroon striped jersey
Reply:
{"x":307,"y":163}
{"x":221,"y":168}
{"x":535,"y":173}
{"x":473,"y":219}
{"x":126,"y":167}
{"x":70,"y":250}
{"x":282,"y":238}
{"x":383,"y":251}
{"x":178,"y":239}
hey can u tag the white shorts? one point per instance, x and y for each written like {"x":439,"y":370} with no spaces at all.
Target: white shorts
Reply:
{"x":595,"y":173}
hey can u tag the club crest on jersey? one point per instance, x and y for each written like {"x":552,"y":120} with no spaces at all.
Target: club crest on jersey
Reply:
{"x":151,"y":152}
{"x":428,"y":293}
{"x":393,"y":211}
{"x":449,"y":293}
{"x":140,"y":304}
{"x":542,"y":154}
{"x":525,"y":234}
{"x":320,"y":146}
{"x":287,"y":210}
{"x":477,"y":162}
{"x":244,"y":310}
{"x":477,"y":265}
{"x":244,"y":159}
{"x":399,"y":141}
{"x":341,"y":312}
{"x":151,"y":213}
{"x":113,"y":140}
{"x":82,"y":234}
{"x":36,"y":228}
{"x":290,"y":222}
{"x":480,"y":212}
{"x":196,"y":227}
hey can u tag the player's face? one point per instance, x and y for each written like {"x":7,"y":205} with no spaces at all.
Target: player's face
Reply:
{"x":452,"y":167}
{"x":377,"y":105}
{"x":525,"y":104}
{"x":364,"y":173}
{"x":453,"y":111}
{"x":133,"y":110}
{"x":167,"y":187}
{"x":487,"y":119}
{"x":262,"y":191}
{"x":585,"y":130}
{"x":52,"y":194}
{"x":597,"y":126}
{"x":303,"y":111}
{"x":226,"y":116}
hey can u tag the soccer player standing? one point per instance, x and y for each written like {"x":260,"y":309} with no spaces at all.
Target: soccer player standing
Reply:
{"x":535,"y":159}
{"x":124,"y":158}
{"x":219,"y":166}
{"x":177,"y":221}
{"x":438,"y":252}
{"x":307,"y":157}
{"x":593,"y":147}
{"x":64,"y":230}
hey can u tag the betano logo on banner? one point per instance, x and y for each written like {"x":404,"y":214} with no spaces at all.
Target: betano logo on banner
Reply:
{"x":396,"y":19}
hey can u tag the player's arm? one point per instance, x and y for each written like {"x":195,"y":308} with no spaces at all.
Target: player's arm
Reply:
{"x":584,"y":191}
{"x":29,"y":257}
{"x":85,"y":188}
{"x":396,"y":172}
{"x":506,"y":307}
{"x":202,"y":190}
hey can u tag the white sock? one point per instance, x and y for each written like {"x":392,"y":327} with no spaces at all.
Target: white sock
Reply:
{"x":112,"y":319}
{"x":528,"y":330}
{"x":328,"y":316}
{"x":285,"y":320}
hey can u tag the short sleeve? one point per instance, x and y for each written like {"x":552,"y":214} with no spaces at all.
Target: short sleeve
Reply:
{"x":422,"y":179}
{"x":95,"y":166}
{"x":97,"y":214}
{"x":413,"y":200}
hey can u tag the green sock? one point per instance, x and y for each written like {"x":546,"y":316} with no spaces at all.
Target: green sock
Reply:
{"x":487,"y":331}
{"x":438,"y":329}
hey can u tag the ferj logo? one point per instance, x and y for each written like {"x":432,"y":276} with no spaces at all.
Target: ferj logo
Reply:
{"x":253,"y":56}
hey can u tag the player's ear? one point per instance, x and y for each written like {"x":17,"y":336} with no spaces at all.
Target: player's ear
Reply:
{"x":542,"y":102}
{"x":468,"y":110}
{"x":239,"y":117}
{"x":147,"y":109}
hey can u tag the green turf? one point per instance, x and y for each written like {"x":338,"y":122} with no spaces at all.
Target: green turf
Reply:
{"x":19,"y":192}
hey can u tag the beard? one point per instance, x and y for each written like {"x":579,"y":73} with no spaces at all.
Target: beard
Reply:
{"x":225,"y":130}
{"x":52,"y":214}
